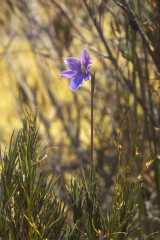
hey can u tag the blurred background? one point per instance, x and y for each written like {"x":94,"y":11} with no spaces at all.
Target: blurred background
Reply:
{"x":122,"y":38}
{"x":36,"y":38}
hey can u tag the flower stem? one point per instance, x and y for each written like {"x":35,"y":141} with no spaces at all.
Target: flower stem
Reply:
{"x":92,"y":117}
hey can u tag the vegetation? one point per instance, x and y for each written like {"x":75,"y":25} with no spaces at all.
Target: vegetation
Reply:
{"x":49,"y":189}
{"x":32,"y":208}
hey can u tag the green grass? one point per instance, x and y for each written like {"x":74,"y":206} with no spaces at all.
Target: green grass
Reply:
{"x":31,"y":208}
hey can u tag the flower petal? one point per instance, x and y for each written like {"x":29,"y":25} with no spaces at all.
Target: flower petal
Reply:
{"x":76,"y":82}
{"x":73,"y":63}
{"x":68,"y":74}
{"x":87,"y":76}
{"x":85,"y":58}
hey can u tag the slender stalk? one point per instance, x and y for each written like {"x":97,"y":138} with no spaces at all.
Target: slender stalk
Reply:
{"x":92,"y":117}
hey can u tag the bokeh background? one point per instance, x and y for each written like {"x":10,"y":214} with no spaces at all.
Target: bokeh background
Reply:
{"x":123,"y":39}
{"x":36,"y":38}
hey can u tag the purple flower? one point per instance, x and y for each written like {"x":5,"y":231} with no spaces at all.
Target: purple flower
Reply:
{"x":78,"y":69}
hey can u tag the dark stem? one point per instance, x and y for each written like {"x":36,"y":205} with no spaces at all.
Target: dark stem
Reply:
{"x":92,"y":116}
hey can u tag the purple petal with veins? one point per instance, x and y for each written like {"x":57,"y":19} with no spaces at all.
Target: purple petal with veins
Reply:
{"x":76,"y":82}
{"x":85,"y":58}
{"x":68,"y":74}
{"x":73,"y":63}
